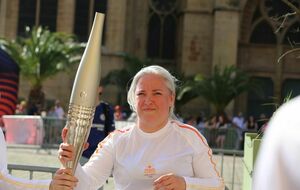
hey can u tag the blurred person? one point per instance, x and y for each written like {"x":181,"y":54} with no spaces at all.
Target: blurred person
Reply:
{"x":278,"y":158}
{"x":222,"y":127}
{"x":103,"y":124}
{"x":156,"y":152}
{"x":210,"y":130}
{"x":118,"y":114}
{"x":200,"y":124}
{"x":59,"y":110}
{"x":251,"y":124}
{"x":261,"y":122}
{"x":21,"y":108}
{"x":238,"y":122}
{"x":9,"y":182}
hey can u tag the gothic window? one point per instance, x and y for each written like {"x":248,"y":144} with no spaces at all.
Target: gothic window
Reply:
{"x":162,"y":29}
{"x":36,"y":13}
{"x":267,"y":19}
{"x":263,"y":34}
{"x":84,"y":15}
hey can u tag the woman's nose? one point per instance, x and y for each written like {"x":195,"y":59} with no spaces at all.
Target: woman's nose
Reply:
{"x":148,"y":100}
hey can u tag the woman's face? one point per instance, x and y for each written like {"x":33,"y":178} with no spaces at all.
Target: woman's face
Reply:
{"x":153,"y":100}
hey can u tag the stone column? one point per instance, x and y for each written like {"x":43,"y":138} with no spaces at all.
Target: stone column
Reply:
{"x":115,"y":26}
{"x":195,"y":46}
{"x":65,"y":16}
{"x":226,"y":33}
{"x":9,"y":15}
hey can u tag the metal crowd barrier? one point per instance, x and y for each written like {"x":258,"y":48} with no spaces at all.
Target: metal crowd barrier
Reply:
{"x":31,"y":169}
{"x":52,"y":132}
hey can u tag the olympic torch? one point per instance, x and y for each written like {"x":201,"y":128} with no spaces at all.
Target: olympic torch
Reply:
{"x":84,"y":92}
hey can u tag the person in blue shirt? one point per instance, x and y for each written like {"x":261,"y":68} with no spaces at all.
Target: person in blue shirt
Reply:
{"x":103,"y":124}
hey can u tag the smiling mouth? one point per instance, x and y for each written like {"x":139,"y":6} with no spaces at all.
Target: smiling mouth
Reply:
{"x":148,"y":109}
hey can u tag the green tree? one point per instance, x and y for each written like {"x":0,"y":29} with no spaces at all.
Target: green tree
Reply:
{"x":40,"y":55}
{"x":219,"y":89}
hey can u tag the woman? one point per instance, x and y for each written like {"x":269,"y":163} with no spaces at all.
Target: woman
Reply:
{"x":158,"y":152}
{"x":222,"y":127}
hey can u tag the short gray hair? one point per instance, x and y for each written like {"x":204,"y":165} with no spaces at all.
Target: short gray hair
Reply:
{"x":157,"y":70}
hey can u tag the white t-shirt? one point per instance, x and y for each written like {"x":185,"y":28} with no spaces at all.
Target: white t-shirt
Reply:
{"x":136,"y":159}
{"x":9,"y":182}
{"x":278,"y":161}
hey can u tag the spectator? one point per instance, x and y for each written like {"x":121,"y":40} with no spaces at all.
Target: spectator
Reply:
{"x":103,"y":124}
{"x":200,"y":124}
{"x":118,"y":114}
{"x":21,"y":108}
{"x":251,"y":124}
{"x":59,"y":110}
{"x":239,"y":123}
{"x":222,"y":127}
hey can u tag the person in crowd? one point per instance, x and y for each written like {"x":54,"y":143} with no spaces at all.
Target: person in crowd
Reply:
{"x":222,"y":127}
{"x":9,"y":182}
{"x":200,"y":124}
{"x":210,"y":130}
{"x":251,"y":124}
{"x":278,"y":158}
{"x":239,"y":123}
{"x":118,"y":114}
{"x":156,"y":152}
{"x":21,"y":108}
{"x":59,"y":110}
{"x":262,"y":122}
{"x":103,"y":124}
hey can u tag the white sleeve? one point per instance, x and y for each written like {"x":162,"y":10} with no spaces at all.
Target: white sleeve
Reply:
{"x":206,"y":174}
{"x":98,"y":169}
{"x":9,"y":182}
{"x":278,"y":159}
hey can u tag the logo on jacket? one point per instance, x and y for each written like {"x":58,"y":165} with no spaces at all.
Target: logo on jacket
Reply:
{"x":149,"y":170}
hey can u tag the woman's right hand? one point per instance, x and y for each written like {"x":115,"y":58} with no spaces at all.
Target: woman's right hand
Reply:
{"x":63,"y":180}
{"x":66,"y":151}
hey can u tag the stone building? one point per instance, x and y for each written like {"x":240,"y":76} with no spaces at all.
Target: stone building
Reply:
{"x":190,"y":36}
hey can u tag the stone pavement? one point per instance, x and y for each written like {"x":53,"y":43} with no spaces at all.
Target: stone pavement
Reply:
{"x":40,"y":157}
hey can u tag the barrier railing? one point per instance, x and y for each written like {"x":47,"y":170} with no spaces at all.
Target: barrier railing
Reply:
{"x":31,"y":169}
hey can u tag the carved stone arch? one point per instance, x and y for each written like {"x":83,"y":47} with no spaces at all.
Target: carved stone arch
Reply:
{"x":246,"y":21}
{"x":259,"y":27}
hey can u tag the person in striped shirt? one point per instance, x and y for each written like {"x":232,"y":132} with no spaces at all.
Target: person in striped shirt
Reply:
{"x":156,"y":152}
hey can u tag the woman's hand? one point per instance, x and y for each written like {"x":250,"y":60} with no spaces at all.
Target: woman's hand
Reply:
{"x":66,"y":151}
{"x":169,"y":182}
{"x":63,"y":180}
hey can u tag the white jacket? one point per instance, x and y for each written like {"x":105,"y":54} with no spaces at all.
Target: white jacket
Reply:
{"x":136,"y":159}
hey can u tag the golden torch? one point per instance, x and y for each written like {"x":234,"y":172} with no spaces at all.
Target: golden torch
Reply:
{"x":84,"y":93}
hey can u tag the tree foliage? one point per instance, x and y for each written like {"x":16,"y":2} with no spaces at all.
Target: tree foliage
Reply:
{"x":219,"y":89}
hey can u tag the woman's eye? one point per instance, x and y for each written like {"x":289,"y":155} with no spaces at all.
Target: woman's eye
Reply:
{"x":157,"y":93}
{"x":140,"y":94}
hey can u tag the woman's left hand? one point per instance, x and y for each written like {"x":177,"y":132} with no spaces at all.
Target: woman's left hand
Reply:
{"x":169,"y":182}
